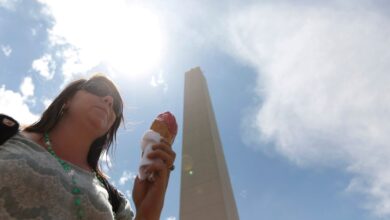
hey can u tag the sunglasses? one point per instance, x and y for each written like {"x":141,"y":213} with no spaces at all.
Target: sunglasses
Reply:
{"x":101,"y":89}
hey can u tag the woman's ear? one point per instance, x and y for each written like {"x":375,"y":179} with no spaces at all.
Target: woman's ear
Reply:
{"x":63,"y":109}
{"x":66,"y":105}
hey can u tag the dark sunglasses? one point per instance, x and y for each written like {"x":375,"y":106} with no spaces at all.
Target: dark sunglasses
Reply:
{"x":101,"y":89}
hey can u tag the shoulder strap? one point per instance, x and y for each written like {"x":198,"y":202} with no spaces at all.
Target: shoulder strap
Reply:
{"x":8,"y":127}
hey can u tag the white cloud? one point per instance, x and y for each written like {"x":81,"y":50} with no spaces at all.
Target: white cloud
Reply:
{"x":105,"y":162}
{"x":129,"y":37}
{"x":244,"y":193}
{"x":7,"y":50}
{"x":128,"y":195}
{"x":27,"y":87}
{"x":45,"y":66}
{"x":14,"y":104}
{"x":46,"y":102}
{"x":324,"y":81}
{"x":171,"y":218}
{"x":159,"y":81}
{"x":33,"y":31}
{"x":126,"y":176}
{"x":9,"y":4}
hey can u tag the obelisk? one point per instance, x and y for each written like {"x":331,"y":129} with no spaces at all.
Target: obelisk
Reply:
{"x":206,"y":192}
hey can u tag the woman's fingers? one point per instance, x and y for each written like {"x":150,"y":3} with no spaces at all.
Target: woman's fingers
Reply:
{"x":163,"y":156}
{"x":165,"y":147}
{"x":156,"y":168}
{"x":165,"y":141}
{"x":164,"y":152}
{"x":166,"y":155}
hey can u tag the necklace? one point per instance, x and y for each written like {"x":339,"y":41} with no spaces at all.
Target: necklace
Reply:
{"x":67,"y":168}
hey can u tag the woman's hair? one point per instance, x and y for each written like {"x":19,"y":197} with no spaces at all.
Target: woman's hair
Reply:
{"x":52,"y":115}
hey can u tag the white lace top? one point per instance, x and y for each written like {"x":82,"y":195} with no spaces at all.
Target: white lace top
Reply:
{"x":33,"y":185}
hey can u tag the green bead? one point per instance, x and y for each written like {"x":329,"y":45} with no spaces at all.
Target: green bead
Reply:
{"x":80,"y":213}
{"x":67,"y":168}
{"x":77,"y":201}
{"x":76,"y":191}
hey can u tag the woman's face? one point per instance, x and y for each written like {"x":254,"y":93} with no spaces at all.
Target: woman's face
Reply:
{"x":97,"y":110}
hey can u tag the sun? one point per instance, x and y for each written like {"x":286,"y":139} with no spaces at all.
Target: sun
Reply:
{"x":135,"y":44}
{"x":127,"y":37}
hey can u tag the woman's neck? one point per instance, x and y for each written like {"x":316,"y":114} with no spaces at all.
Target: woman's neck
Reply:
{"x":71,"y":142}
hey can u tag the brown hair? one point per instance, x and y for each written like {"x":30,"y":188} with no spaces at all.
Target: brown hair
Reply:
{"x":53,"y":113}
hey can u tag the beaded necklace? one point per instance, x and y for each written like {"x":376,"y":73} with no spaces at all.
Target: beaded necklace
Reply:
{"x":67,"y":168}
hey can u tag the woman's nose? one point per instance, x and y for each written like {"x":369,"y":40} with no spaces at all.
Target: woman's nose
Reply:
{"x":108,"y":100}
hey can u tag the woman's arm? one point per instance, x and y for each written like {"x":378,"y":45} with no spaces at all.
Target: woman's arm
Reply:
{"x":149,"y":196}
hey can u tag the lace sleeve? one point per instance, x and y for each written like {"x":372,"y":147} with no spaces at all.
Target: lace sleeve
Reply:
{"x":124,"y":211}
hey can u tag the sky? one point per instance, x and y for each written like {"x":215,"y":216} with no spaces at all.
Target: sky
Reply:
{"x":300,"y":90}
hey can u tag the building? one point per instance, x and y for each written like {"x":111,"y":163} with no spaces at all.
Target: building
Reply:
{"x":206,"y":192}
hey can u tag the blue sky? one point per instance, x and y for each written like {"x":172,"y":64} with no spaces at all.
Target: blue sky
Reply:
{"x":300,"y":90}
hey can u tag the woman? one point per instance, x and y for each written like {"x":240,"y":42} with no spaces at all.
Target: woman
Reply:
{"x":50,"y":169}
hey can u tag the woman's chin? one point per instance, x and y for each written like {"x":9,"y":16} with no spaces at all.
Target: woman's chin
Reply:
{"x":99,"y":124}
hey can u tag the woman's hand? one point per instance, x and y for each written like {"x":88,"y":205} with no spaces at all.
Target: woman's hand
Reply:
{"x":149,"y":196}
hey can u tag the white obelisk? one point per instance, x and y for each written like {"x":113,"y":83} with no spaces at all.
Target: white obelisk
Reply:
{"x":206,"y":192}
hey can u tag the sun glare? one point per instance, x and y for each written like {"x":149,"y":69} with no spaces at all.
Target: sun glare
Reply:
{"x":127,"y":37}
{"x":135,"y":46}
